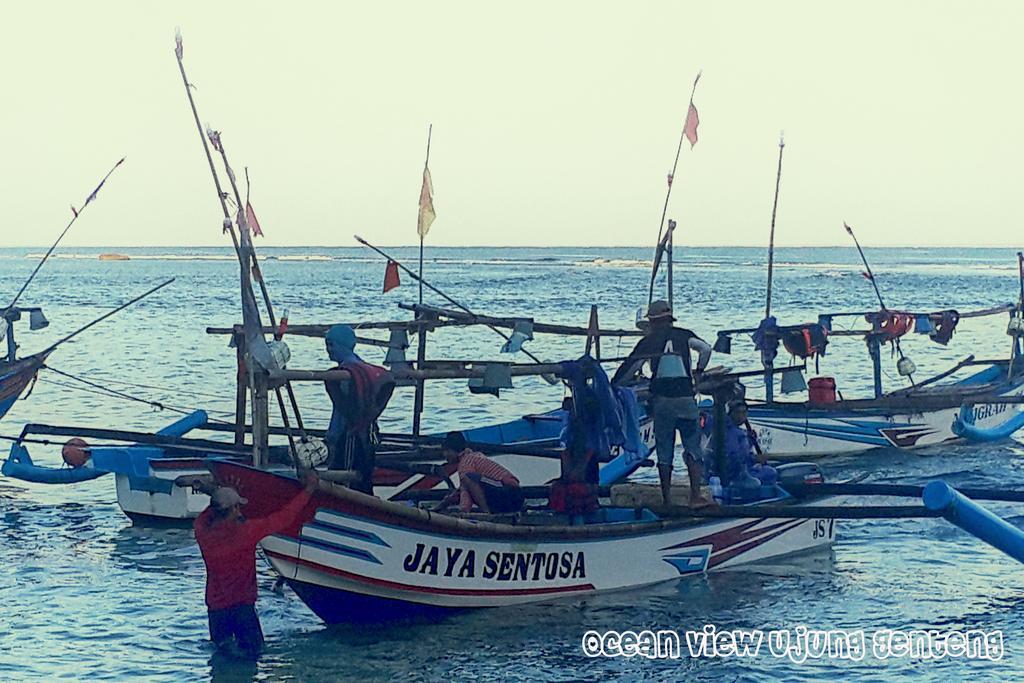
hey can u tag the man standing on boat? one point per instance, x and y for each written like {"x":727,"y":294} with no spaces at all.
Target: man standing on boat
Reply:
{"x":673,"y":379}
{"x":357,"y":403}
{"x":228,"y":543}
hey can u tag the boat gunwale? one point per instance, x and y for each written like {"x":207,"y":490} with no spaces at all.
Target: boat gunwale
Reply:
{"x":398,"y":515}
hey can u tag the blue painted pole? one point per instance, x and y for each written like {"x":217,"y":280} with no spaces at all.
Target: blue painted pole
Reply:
{"x":875,"y":351}
{"x":974,"y":519}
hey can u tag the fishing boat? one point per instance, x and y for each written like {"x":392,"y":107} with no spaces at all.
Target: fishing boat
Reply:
{"x":355,"y":558}
{"x":155,"y":474}
{"x":974,"y":401}
{"x":16,"y":374}
{"x":983,"y":406}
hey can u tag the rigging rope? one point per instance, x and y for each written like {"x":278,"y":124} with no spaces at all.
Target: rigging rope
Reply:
{"x":101,"y":390}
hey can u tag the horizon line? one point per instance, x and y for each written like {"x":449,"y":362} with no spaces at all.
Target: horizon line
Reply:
{"x":523,"y":246}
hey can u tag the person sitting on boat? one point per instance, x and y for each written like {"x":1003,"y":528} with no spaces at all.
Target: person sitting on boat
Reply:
{"x":575,"y":492}
{"x":482,"y":482}
{"x":227,"y":542}
{"x":672,"y":405}
{"x":744,"y":461}
{"x":352,"y":433}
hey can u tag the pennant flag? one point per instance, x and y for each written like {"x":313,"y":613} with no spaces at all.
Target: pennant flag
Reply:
{"x":670,"y":180}
{"x":92,"y":196}
{"x":427,"y":214}
{"x":690,"y":129}
{"x":867,"y":275}
{"x":391,"y":279}
{"x":250,"y":218}
{"x":214,"y":136}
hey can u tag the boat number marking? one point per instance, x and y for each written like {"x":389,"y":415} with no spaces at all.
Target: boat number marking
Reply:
{"x":824,"y":528}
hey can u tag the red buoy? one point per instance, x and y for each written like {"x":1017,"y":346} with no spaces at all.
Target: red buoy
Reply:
{"x":75,"y":452}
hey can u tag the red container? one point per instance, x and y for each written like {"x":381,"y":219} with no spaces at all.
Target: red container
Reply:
{"x":822,"y":390}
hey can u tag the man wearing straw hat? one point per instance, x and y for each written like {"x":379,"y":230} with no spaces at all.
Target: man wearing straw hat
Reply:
{"x":672,"y":404}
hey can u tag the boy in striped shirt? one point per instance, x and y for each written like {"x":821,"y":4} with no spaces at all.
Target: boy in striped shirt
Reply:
{"x":482,"y":482}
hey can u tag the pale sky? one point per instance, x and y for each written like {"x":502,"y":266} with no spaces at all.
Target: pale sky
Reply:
{"x":555,"y":123}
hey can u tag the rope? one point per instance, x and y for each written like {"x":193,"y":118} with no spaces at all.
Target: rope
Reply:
{"x":156,"y":388}
{"x":101,"y":390}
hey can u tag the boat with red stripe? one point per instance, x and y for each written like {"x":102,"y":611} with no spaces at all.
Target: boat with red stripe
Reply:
{"x":356,"y":558}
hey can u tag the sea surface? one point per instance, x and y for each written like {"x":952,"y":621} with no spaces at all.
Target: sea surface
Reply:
{"x":85,"y":595}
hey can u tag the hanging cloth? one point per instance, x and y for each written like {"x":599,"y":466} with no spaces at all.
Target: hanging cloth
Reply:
{"x":945,"y":325}
{"x":806,"y":341}
{"x":597,"y":416}
{"x":890,"y":325}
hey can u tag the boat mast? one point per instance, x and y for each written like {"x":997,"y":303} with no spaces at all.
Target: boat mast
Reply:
{"x":874,"y":346}
{"x":668,"y":194}
{"x":771,"y":234}
{"x":246,"y":261}
{"x":768,"y":359}
{"x":1016,"y":316}
{"x":421,"y":342}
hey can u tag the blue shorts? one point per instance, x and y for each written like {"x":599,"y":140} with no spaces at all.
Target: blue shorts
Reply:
{"x":238,"y":624}
{"x":500,"y":498}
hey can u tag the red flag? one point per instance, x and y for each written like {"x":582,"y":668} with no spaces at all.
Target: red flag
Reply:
{"x":867,"y":275}
{"x":391,"y":279}
{"x":690,"y":129}
{"x":250,"y":218}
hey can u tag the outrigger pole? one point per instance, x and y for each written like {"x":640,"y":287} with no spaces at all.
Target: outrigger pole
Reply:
{"x":244,"y":253}
{"x":77,"y":213}
{"x":668,"y":193}
{"x":106,"y":315}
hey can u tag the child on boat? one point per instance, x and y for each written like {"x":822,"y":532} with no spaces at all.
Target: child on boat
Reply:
{"x":482,"y":482}
{"x":745,"y":463}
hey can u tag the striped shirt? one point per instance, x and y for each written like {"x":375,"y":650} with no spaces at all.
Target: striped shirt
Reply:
{"x":471,"y":462}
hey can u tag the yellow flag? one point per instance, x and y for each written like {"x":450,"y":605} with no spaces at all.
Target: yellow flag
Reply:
{"x":426,"y":205}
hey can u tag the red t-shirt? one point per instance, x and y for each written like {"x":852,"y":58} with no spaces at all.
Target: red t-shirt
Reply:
{"x":229,"y":551}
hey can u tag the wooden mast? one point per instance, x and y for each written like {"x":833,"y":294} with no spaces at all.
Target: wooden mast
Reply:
{"x":769,"y":360}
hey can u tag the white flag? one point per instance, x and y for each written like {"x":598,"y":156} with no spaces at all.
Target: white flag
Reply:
{"x":426,"y":205}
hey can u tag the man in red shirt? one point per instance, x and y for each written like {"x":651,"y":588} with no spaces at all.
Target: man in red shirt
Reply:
{"x":482,"y":482}
{"x":228,"y":543}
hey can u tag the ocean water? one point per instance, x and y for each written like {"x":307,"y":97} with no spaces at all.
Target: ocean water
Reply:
{"x":85,"y":595}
